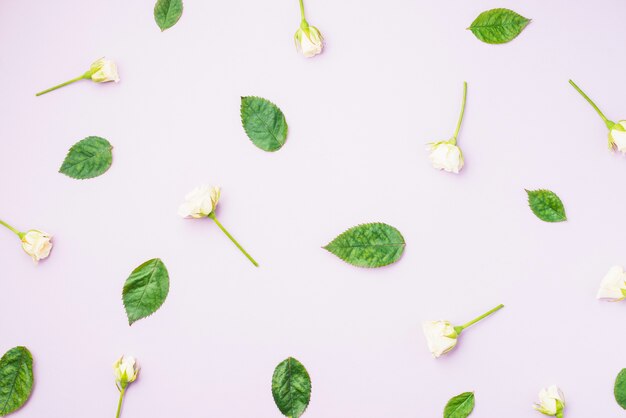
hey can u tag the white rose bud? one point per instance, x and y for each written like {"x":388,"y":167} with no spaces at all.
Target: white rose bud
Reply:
{"x":125,"y":370}
{"x":309,"y":41}
{"x":440,"y":336}
{"x":551,"y":402}
{"x":617,"y":136}
{"x":37,"y":244}
{"x":200,"y":202}
{"x":613,"y":286}
{"x":446,"y":156}
{"x":104,"y":70}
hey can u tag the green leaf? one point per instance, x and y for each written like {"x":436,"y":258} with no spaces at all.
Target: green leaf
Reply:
{"x":368,"y":245}
{"x":264,"y":123}
{"x":145,"y":290}
{"x":461,"y":406}
{"x":498,"y":26}
{"x":620,"y":389}
{"x":16,"y":379}
{"x":167,"y":13}
{"x":88,"y":158}
{"x":291,"y":388}
{"x":546,"y":205}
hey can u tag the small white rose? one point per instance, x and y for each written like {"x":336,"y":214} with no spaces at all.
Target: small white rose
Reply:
{"x":440,"y":336}
{"x":617,"y":136}
{"x":37,"y":244}
{"x":309,"y":41}
{"x":446,"y":156}
{"x":200,"y":202}
{"x":125,"y":370}
{"x":551,"y":402}
{"x":104,"y":70}
{"x":613,"y":286}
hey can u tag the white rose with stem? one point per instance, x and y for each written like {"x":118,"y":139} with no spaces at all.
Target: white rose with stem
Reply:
{"x":446,"y":155}
{"x":617,"y":131}
{"x":309,"y":40}
{"x":35,"y":243}
{"x":201,"y":202}
{"x":101,"y":71}
{"x":126,"y":372}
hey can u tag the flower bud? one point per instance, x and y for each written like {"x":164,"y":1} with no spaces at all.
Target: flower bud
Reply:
{"x":445,"y":155}
{"x":37,"y":244}
{"x":617,"y":136}
{"x":309,"y":40}
{"x":125,"y":370}
{"x":104,"y":70}
{"x":440,"y":336}
{"x":613,"y":286}
{"x":551,"y":402}
{"x":200,"y":202}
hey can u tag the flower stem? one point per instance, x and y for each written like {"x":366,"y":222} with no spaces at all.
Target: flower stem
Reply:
{"x":73,"y":80}
{"x":302,"y":9}
{"x":609,"y":124}
{"x":458,"y":125}
{"x":212,"y":216}
{"x":15,"y":231}
{"x":483,"y":316}
{"x":119,"y":404}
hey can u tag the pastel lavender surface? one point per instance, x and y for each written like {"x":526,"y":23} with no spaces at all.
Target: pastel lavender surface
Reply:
{"x":359,"y":115}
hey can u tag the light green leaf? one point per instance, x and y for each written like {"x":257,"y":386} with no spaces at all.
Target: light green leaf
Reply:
{"x":620,"y":389}
{"x":368,"y":245}
{"x":167,"y":13}
{"x":16,"y":379}
{"x":145,"y":290}
{"x":546,"y":205}
{"x":461,"y":406}
{"x":264,"y":123}
{"x":291,"y":388}
{"x":88,"y":158}
{"x":498,"y":26}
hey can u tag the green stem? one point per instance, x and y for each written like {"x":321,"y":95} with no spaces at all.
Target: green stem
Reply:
{"x":302,"y":10}
{"x":212,"y":216}
{"x":119,"y":404}
{"x":15,"y":231}
{"x":483,"y":316}
{"x":609,"y":124}
{"x":458,"y":125}
{"x":73,"y":80}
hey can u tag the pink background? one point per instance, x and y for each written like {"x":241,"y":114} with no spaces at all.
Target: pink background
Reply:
{"x":359,"y":116}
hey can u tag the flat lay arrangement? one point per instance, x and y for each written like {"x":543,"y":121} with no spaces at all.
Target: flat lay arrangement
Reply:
{"x":338,"y":213}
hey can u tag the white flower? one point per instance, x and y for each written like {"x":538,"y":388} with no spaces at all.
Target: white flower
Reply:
{"x":441,"y":337}
{"x":551,"y":401}
{"x":309,"y":41}
{"x":37,"y":244}
{"x":445,"y":155}
{"x":200,"y":202}
{"x":617,"y":136}
{"x":613,"y":286}
{"x":125,"y":370}
{"x":104,"y":70}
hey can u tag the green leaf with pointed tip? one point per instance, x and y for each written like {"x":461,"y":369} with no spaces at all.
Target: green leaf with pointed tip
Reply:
{"x":546,"y":205}
{"x":291,"y":388}
{"x":88,"y":158}
{"x":461,"y":406}
{"x":498,"y":26}
{"x":620,"y":389}
{"x":264,"y":123}
{"x":16,"y":379}
{"x":167,"y":13}
{"x":145,"y":290}
{"x":368,"y":245}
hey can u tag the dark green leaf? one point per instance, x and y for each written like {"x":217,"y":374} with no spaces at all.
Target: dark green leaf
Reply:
{"x":368,"y":245}
{"x":546,"y":205}
{"x":461,"y":406}
{"x":498,"y":26}
{"x":167,"y":13}
{"x":88,"y":158}
{"x":620,"y":389}
{"x":16,"y":379}
{"x":145,"y":290}
{"x":264,"y":123}
{"x":291,"y":388}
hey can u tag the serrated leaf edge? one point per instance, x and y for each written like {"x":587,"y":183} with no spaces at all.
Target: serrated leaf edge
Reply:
{"x":472,"y":27}
{"x":528,"y":192}
{"x":29,"y":355}
{"x":246,"y":130}
{"x":182,"y":9}
{"x":72,"y":148}
{"x":473,"y":397}
{"x":308,"y":376}
{"x":130,"y":323}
